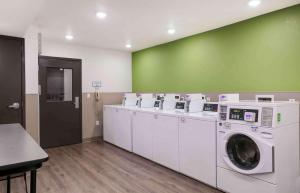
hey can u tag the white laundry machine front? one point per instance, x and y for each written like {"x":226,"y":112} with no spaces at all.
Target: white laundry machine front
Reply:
{"x":258,"y":147}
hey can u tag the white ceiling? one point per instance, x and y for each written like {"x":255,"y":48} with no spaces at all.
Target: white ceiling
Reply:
{"x":17,"y":15}
{"x":143,"y":23}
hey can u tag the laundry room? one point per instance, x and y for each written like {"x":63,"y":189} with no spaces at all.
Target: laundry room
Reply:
{"x":160,"y":96}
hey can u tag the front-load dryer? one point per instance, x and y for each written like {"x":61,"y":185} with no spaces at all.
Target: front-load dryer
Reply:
{"x":258,"y":147}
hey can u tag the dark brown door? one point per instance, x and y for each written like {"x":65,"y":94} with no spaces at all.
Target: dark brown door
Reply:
{"x":60,"y":101}
{"x":11,"y":80}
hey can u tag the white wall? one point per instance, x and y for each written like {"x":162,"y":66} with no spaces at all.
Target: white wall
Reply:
{"x":31,"y":60}
{"x":112,"y":68}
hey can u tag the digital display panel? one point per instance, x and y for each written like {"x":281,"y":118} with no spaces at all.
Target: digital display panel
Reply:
{"x":180,"y":105}
{"x":264,"y":99}
{"x":210,"y":107}
{"x":238,"y":114}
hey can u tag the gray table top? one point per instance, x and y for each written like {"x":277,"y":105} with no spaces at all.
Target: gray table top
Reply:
{"x":17,"y":148}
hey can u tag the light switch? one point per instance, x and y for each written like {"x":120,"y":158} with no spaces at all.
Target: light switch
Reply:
{"x":97,"y":123}
{"x":88,"y":95}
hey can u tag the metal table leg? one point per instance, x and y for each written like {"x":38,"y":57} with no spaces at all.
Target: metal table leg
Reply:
{"x":33,"y":181}
{"x":8,"y":184}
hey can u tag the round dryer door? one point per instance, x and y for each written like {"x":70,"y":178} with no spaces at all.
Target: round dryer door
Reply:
{"x":243,"y":152}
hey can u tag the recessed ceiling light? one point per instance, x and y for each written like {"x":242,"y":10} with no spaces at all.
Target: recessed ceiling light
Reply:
{"x":101,"y":15}
{"x":171,"y":31}
{"x":254,"y":3}
{"x":128,"y":45}
{"x":69,"y":37}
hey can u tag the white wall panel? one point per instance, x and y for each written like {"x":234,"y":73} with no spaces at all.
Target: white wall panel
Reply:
{"x":31,"y":60}
{"x":112,"y":68}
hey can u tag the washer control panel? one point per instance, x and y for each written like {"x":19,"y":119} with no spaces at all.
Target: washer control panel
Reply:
{"x":210,"y":107}
{"x":248,"y":115}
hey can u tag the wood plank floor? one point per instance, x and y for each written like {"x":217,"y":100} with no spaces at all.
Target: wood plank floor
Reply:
{"x":98,"y":167}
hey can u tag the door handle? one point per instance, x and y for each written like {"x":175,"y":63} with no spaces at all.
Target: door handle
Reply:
{"x":76,"y":103}
{"x":14,"y":106}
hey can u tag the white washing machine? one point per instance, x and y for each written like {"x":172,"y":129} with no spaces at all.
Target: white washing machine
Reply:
{"x":258,"y":147}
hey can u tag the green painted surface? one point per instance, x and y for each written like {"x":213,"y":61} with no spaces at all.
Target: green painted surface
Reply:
{"x":260,"y":54}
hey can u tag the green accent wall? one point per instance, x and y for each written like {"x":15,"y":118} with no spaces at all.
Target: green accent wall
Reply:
{"x":259,"y":54}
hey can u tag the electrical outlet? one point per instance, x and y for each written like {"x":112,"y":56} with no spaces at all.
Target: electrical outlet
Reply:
{"x":97,"y":123}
